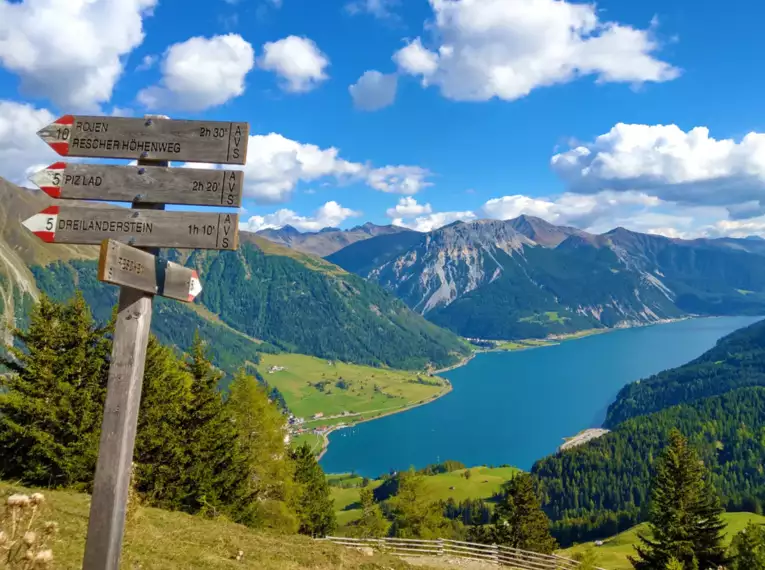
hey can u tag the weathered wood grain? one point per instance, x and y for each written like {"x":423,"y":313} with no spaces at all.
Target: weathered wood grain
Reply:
{"x":142,"y":184}
{"x":139,"y":228}
{"x":150,"y":139}
{"x":120,"y":264}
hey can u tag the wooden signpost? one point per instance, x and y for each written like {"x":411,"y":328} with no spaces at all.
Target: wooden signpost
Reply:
{"x":127,"y":266}
{"x":150,"y":138}
{"x":129,"y":258}
{"x":147,"y":228}
{"x":143,"y":184}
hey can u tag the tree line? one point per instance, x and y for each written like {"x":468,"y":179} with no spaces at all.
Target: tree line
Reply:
{"x":197,"y":449}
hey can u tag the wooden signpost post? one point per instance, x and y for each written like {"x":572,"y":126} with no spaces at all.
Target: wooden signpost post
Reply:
{"x":129,"y":240}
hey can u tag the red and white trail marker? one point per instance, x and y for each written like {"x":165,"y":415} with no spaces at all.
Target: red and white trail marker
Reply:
{"x":43,"y":225}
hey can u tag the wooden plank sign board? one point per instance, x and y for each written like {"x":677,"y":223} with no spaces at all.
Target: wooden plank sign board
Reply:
{"x":120,"y":264}
{"x":140,"y":228}
{"x":148,"y":138}
{"x":142,"y":184}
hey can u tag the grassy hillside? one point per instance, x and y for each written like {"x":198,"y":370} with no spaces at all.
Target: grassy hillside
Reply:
{"x":162,"y":540}
{"x":310,"y":385}
{"x":613,"y":553}
{"x":483,"y":484}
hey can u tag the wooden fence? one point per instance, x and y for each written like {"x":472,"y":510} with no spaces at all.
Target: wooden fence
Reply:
{"x":492,"y":553}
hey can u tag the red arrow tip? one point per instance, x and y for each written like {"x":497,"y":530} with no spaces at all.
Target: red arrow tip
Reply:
{"x":50,"y":210}
{"x":65,"y":120}
{"x":52,"y":191}
{"x":61,"y":148}
{"x":57,"y":166}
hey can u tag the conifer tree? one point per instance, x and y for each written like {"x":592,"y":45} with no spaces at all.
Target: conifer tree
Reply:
{"x":161,"y":454}
{"x":217,"y":470}
{"x":748,"y":548}
{"x":518,"y":519}
{"x":684,"y":515}
{"x":372,"y":523}
{"x":413,"y":515}
{"x":315,"y":507}
{"x":51,"y":405}
{"x":261,"y":429}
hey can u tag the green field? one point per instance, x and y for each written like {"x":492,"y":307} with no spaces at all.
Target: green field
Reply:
{"x":311,"y":385}
{"x":612,"y":555}
{"x":484,"y":482}
{"x":544,"y":318}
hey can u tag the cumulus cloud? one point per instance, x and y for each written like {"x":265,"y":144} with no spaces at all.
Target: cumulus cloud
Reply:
{"x":71,"y":52}
{"x":408,"y":207}
{"x":277,"y":164}
{"x":298,"y":61}
{"x":330,"y":214}
{"x":398,"y":179}
{"x":374,"y":90}
{"x":433,"y":221}
{"x":506,"y":49}
{"x":21,"y":151}
{"x":201,"y":73}
{"x":674,"y":165}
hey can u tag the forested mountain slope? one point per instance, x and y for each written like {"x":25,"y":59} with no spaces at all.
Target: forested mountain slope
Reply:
{"x":717,"y":401}
{"x":261,"y":297}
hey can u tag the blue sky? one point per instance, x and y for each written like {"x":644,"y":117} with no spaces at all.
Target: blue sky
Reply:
{"x":582,"y":114}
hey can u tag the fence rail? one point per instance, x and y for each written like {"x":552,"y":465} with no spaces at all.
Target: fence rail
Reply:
{"x":492,"y":553}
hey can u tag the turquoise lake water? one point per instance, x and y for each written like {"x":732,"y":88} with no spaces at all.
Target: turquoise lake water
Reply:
{"x":515,"y":407}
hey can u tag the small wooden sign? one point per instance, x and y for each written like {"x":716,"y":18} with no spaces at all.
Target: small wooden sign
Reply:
{"x":140,"y":228}
{"x":142,"y":184}
{"x":148,"y":138}
{"x":120,"y":264}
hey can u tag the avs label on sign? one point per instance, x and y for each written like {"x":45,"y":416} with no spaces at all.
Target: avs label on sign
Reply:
{"x":148,"y":139}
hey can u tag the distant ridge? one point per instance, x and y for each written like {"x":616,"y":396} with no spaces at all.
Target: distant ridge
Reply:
{"x":327,"y":240}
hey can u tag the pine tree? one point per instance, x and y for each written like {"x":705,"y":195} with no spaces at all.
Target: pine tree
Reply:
{"x":372,"y":523}
{"x":413,"y":515}
{"x":748,"y":548}
{"x":217,"y":471}
{"x":51,"y":405}
{"x":315,"y":507}
{"x":161,"y":455}
{"x":684,"y":513}
{"x":518,"y":519}
{"x":261,"y":429}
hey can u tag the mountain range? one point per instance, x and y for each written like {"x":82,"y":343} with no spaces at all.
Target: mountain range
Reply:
{"x":525,"y":277}
{"x":328,"y":240}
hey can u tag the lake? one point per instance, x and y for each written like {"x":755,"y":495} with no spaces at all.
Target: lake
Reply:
{"x":515,"y":407}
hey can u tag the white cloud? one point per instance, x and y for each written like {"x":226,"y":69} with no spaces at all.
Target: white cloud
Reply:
{"x":201,"y":73}
{"x":21,"y":151}
{"x":276,"y":165}
{"x":434,"y":221}
{"x":330,"y":214}
{"x":669,"y":163}
{"x":298,"y":61}
{"x":70,"y":51}
{"x":398,"y":179}
{"x":374,"y":90}
{"x":147,"y":62}
{"x":378,"y":8}
{"x":507,"y":48}
{"x":408,"y":207}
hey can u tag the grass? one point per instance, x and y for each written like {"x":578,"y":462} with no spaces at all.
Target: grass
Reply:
{"x":163,"y":540}
{"x":483,"y":483}
{"x":545,"y":318}
{"x":314,"y":441}
{"x":310,"y":261}
{"x":614,"y":551}
{"x":312,"y":385}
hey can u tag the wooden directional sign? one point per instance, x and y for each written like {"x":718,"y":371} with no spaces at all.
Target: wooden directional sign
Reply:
{"x":142,"y":184}
{"x":141,"y":228}
{"x":127,"y":266}
{"x":149,"y":139}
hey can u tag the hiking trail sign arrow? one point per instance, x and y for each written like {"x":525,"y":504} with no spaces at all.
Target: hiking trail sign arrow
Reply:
{"x":148,"y":139}
{"x":141,"y":228}
{"x":142,"y":184}
{"x":120,"y":264}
